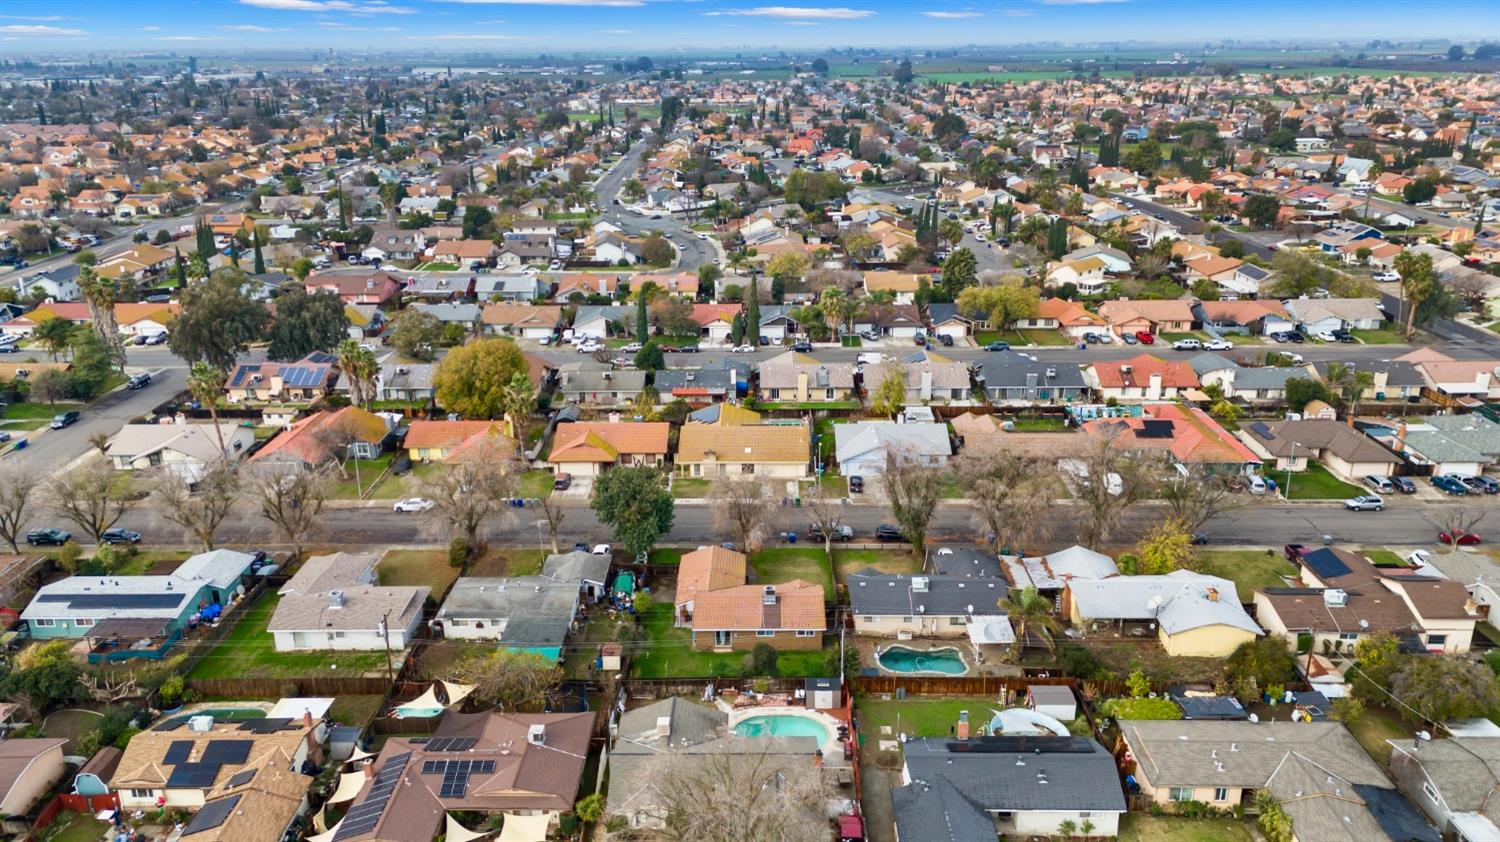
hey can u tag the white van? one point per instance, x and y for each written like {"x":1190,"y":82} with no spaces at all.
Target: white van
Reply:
{"x":870,"y":358}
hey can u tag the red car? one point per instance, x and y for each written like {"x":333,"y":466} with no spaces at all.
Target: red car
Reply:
{"x":1145,"y":337}
{"x":1460,"y":537}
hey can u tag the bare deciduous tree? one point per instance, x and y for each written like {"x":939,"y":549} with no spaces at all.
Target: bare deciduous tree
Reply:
{"x":292,"y":500}
{"x":1194,"y":495}
{"x":18,"y":481}
{"x":1110,"y":481}
{"x":1457,"y":521}
{"x":913,"y":488}
{"x":1010,"y":494}
{"x":91,"y":498}
{"x":512,"y":680}
{"x":471,"y":488}
{"x":825,"y":513}
{"x":200,"y":510}
{"x":722,"y":796}
{"x":742,"y":508}
{"x":553,"y":513}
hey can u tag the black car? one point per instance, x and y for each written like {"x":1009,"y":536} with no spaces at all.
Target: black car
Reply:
{"x":46,"y":537}
{"x":946,"y":340}
{"x":120,"y":536}
{"x":1296,"y":337}
{"x":138,"y":381}
{"x":1342,"y":335}
{"x":1404,"y":485}
{"x":887,"y":532}
{"x":840,"y":533}
{"x":856,"y":485}
{"x":64,"y":419}
{"x":802,"y":347}
{"x":1199,"y":539}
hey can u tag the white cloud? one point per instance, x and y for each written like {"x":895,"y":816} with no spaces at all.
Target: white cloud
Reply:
{"x":611,"y":4}
{"x":831,"y":13}
{"x":953,"y":15}
{"x":191,"y":38}
{"x":43,"y":18}
{"x":150,"y":29}
{"x":466,"y":36}
{"x":250,"y":27}
{"x":373,"y":7}
{"x":344,"y":27}
{"x":1019,"y":13}
{"x":40,"y":31}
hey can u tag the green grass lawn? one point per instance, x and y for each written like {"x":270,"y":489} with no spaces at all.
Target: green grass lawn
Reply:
{"x":438,"y":266}
{"x":666,"y":555}
{"x":416,"y":568}
{"x":1377,"y":725}
{"x":689,"y":487}
{"x":1316,"y":483}
{"x":369,"y":473}
{"x":69,"y":725}
{"x":535,"y":484}
{"x":509,"y":562}
{"x":1383,"y":557}
{"x":850,"y":342}
{"x":249,"y":652}
{"x":1169,"y":338}
{"x":927,"y":716}
{"x":74,"y":827}
{"x":783,"y":564}
{"x":1248,"y":569}
{"x":354,"y":710}
{"x":37,"y":411}
{"x":1055,"y":338}
{"x":670,"y":654}
{"x":886,"y":561}
{"x":1039,"y":424}
{"x":1014,"y":337}
{"x":1382,"y":336}
{"x":1144,"y":827}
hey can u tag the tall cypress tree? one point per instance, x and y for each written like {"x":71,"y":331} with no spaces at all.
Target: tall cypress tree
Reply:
{"x":260,"y":260}
{"x":181,"y":269}
{"x":205,"y":238}
{"x":752,"y":311}
{"x":642,"y":327}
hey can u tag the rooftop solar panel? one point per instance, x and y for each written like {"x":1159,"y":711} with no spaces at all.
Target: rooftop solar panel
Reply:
{"x":363,"y":816}
{"x":178,"y":752}
{"x":212,"y":814}
{"x":1260,"y":429}
{"x":228,"y":751}
{"x":242,"y":778}
{"x":197,"y":775}
{"x":118,"y":600}
{"x":267,"y":725}
{"x":1325,"y":564}
{"x":1156,"y":429}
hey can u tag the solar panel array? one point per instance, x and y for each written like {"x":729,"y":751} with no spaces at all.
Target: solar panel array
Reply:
{"x":1260,"y":429}
{"x":1155,"y":430}
{"x":178,"y":752}
{"x":199,"y":775}
{"x":211,"y":815}
{"x":456,"y":775}
{"x":228,"y":751}
{"x":117,"y":600}
{"x":451,"y":743}
{"x":363,"y":816}
{"x":241,"y":778}
{"x":300,"y":376}
{"x":266,"y":725}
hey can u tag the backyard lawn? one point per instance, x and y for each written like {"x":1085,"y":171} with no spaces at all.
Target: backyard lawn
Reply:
{"x":69,"y":724}
{"x":886,"y":561}
{"x":1039,"y":424}
{"x":783,"y":564}
{"x":1377,"y":725}
{"x":355,"y":710}
{"x":1383,"y":557}
{"x":926,"y":716}
{"x":509,"y":562}
{"x":1248,"y":569}
{"x":250,"y":652}
{"x":666,"y":555}
{"x":417,"y":568}
{"x":1144,"y":827}
{"x":669,"y":654}
{"x":1316,"y":483}
{"x":74,"y":827}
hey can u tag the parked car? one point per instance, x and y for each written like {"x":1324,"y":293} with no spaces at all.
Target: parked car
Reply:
{"x":1380,"y":483}
{"x":802,"y":347}
{"x":997,"y":346}
{"x":1342,"y":335}
{"x":1219,"y":345}
{"x":688,"y":349}
{"x":1281,"y":336}
{"x":1129,"y":339}
{"x":602,"y":549}
{"x":1365,"y":503}
{"x":413,"y":504}
{"x":1187,"y":345}
{"x":562,"y":481}
{"x":856,"y":485}
{"x":744,"y":349}
{"x":48,"y":537}
{"x":1145,"y":337}
{"x":4,"y":437}
{"x":1480,"y":485}
{"x":1296,"y":337}
{"x":138,"y":381}
{"x":1404,"y":485}
{"x":1326,"y":336}
{"x":840,"y":533}
{"x":64,"y":419}
{"x":631,"y":348}
{"x":1460,"y":537}
{"x":1386,"y":276}
{"x":1450,"y":484}
{"x":590,"y":347}
{"x":117,"y":535}
{"x":1199,"y":539}
{"x":887,"y":532}
{"x":946,"y":340}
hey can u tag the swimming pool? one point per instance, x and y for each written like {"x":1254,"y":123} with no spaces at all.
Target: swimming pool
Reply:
{"x":783,"y":725}
{"x":903,"y":659}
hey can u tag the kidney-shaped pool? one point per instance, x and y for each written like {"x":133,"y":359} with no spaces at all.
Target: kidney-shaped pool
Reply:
{"x":904,"y":659}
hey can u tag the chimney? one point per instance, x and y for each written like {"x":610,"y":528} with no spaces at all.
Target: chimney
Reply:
{"x":369,"y":771}
{"x":1400,"y":443}
{"x":962,"y":731}
{"x":1213,"y":594}
{"x":307,"y":720}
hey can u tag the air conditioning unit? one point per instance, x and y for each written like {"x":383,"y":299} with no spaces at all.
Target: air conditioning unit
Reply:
{"x":1335,"y":597}
{"x":1125,"y":369}
{"x":536,"y":734}
{"x":919,"y":584}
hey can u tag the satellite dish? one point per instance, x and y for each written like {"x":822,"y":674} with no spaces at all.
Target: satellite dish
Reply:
{"x":1364,"y":624}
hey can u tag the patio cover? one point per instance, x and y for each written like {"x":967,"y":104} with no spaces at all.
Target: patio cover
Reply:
{"x":458,"y":833}
{"x":984,"y":631}
{"x":349,"y":786}
{"x":525,"y":828}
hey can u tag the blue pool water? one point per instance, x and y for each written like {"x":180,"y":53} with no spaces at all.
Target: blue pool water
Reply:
{"x":903,"y":659}
{"x":782,"y":725}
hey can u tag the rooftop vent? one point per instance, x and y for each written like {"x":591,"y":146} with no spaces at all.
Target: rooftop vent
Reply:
{"x":768,"y":596}
{"x":536,"y":734}
{"x":335,"y":599}
{"x":919,"y":584}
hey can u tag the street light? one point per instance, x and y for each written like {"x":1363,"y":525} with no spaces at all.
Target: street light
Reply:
{"x":540,"y":522}
{"x":1288,"y":492}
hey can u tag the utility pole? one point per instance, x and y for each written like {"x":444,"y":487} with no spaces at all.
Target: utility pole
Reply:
{"x":385,"y":632}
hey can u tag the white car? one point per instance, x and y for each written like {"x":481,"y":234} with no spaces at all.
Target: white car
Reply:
{"x":631,"y":348}
{"x":589,"y":347}
{"x":413,"y":504}
{"x":1327,"y":337}
{"x":1386,"y":276}
{"x":1187,"y":345}
{"x":1219,"y":345}
{"x":702,"y":235}
{"x":744,"y":349}
{"x":602,"y":549}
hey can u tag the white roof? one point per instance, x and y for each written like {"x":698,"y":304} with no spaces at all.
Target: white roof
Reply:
{"x":1479,"y":727}
{"x":1050,"y":572}
{"x":854,"y":441}
{"x":197,"y":441}
{"x":294,"y":707}
{"x":1474,"y":827}
{"x":1180,"y":601}
{"x":991,"y":630}
{"x":219,"y":568}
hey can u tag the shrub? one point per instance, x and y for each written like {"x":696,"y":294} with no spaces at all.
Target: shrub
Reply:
{"x":591,"y":807}
{"x":761,"y":660}
{"x":68,"y":555}
{"x":458,"y":552}
{"x":1140,"y":709}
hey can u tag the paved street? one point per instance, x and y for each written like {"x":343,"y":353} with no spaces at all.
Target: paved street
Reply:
{"x":692,"y":252}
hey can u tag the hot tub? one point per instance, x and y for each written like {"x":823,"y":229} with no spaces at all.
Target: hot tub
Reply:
{"x":905,"y":660}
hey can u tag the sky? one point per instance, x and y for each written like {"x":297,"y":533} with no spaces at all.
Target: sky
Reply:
{"x":662,"y":26}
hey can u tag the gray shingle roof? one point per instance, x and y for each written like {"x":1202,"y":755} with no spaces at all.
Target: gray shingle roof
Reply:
{"x":876,"y":593}
{"x":1014,"y":774}
{"x":1005,"y":369}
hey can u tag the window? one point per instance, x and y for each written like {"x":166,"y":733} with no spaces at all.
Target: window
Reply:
{"x":867,"y":619}
{"x":1437,"y":639}
{"x":44,"y":623}
{"x":906,"y":619}
{"x":747,"y":468}
{"x":807,"y":634}
{"x":957,"y":621}
{"x":1085,"y":815}
{"x":338,"y":635}
{"x":142,"y":794}
{"x":1350,"y":636}
{"x":82,"y":623}
{"x":1180,"y":793}
{"x":764,"y":633}
{"x":722,"y":638}
{"x":1221,"y":794}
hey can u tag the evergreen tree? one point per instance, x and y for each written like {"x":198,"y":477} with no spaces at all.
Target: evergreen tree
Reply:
{"x":260,"y":260}
{"x":1057,"y":238}
{"x":205,"y":238}
{"x":752,"y":311}
{"x":642,"y":326}
{"x":181,"y":269}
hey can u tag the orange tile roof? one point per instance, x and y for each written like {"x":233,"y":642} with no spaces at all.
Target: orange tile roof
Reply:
{"x":1195,"y":438}
{"x":594,"y":442}
{"x":706,"y":314}
{"x":1066,"y":312}
{"x":760,"y":443}
{"x":305,"y":439}
{"x":708,"y":569}
{"x":798,"y":606}
{"x":445,"y":434}
{"x":1178,"y":375}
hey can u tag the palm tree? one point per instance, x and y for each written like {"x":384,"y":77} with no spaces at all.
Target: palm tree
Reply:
{"x":517,"y":400}
{"x":358,"y":364}
{"x":1031,"y":615}
{"x":100,"y":293}
{"x":55,"y":335}
{"x":206,"y":385}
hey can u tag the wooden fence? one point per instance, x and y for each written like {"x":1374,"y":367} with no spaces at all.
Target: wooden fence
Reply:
{"x":327,"y":685}
{"x":979,"y":685}
{"x":66,"y":801}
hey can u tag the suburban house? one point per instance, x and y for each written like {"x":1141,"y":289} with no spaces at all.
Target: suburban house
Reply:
{"x":180,"y":768}
{"x":589,"y":570}
{"x":1393,"y":379}
{"x":29,"y":767}
{"x":344,"y":433}
{"x":903,"y":285}
{"x":788,"y":615}
{"x":764,"y":450}
{"x":268,"y":797}
{"x":438,"y":287}
{"x":340,"y":605}
{"x":943,"y":319}
{"x":466,"y":254}
{"x":965,"y":789}
{"x":1452,"y":781}
{"x":1320,"y":315}
{"x":905,"y":606}
{"x":1252,"y":384}
{"x":1086,"y":274}
{"x":522,"y":613}
{"x":1193,"y":615}
{"x":1140,"y":378}
{"x":409,"y":382}
{"x":798,"y":378}
{"x":600,"y":385}
{"x":1470,"y":382}
{"x":1245,"y":317}
{"x":435,"y":441}
{"x":525,"y":321}
{"x":516,"y":289}
{"x":374,"y":288}
{"x":1070,"y":317}
{"x":524,"y":766}
{"x":1014,"y":378}
{"x":697,"y":386}
{"x":927,"y":377}
{"x":1464,"y":445}
{"x":1344,"y":597}
{"x":861,"y":448}
{"x":705,"y":569}
{"x":894,"y":321}
{"x":86,"y":606}
{"x":389,"y":243}
{"x":598,"y":321}
{"x":716,"y":321}
{"x":186,"y":448}
{"x":1344,"y":450}
{"x":1170,"y":315}
{"x":302,"y":381}
{"x":1325,"y":782}
{"x":1052,"y":573}
{"x":59,"y":284}
{"x":589,"y":449}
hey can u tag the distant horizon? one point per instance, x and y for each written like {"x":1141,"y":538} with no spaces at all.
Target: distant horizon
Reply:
{"x":705,"y":27}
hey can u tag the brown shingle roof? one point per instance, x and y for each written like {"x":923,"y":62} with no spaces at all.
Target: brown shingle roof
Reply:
{"x":749,"y":443}
{"x":708,"y":569}
{"x":798,"y":605}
